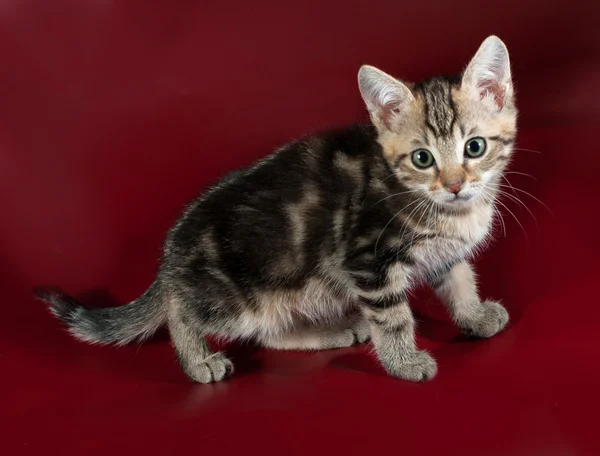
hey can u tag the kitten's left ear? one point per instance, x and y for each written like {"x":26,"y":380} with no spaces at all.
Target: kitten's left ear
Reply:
{"x":488,"y":74}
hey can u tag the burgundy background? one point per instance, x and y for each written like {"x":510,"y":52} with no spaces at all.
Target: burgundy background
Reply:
{"x":113,"y":114}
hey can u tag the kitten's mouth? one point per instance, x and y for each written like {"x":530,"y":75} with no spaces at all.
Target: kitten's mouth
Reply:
{"x":459,"y":200}
{"x":462,"y":197}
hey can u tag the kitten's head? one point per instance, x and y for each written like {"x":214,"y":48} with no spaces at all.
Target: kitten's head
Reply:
{"x":448,"y":139}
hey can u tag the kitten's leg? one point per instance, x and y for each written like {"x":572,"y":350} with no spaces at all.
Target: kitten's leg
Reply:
{"x":393,"y":335}
{"x":195,"y":357}
{"x":458,"y":290}
{"x":350,"y":332}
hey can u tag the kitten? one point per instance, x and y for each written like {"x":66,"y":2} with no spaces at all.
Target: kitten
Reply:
{"x":316,"y":246}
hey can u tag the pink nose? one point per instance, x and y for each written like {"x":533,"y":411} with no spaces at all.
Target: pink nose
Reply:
{"x":454,"y":187}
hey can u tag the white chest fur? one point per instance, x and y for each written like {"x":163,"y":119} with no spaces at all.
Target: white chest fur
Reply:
{"x":458,"y":237}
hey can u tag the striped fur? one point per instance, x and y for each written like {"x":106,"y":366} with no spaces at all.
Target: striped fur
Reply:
{"x":317,"y":245}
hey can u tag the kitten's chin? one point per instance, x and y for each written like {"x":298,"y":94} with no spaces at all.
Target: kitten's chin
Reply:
{"x":458,"y":203}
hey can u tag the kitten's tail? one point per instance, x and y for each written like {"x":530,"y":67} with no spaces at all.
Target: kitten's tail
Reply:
{"x":111,"y":325}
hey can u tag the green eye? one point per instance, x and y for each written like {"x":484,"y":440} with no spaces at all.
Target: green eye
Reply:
{"x":422,"y":158}
{"x":475,"y":147}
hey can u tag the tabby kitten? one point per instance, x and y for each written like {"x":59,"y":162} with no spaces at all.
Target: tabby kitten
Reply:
{"x":316,"y":246}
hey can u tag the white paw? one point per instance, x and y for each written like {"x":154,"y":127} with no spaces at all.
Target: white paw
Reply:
{"x":213,"y":369}
{"x":419,"y":366}
{"x":494,"y":319}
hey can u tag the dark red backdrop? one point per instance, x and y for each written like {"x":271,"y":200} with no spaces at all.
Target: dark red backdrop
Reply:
{"x":114,"y":113}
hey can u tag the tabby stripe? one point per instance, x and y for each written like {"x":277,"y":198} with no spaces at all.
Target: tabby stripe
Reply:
{"x":387,"y":326}
{"x":386,"y":301}
{"x":440,"y":112}
{"x":436,"y":281}
{"x":504,"y":140}
{"x":398,"y":159}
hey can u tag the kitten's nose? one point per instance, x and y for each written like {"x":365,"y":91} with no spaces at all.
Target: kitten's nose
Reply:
{"x":454,"y":187}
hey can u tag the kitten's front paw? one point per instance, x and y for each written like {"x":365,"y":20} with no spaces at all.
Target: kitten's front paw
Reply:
{"x":212,"y":369}
{"x":493,"y":320}
{"x":419,"y":366}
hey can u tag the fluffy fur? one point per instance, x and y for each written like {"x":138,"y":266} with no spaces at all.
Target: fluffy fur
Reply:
{"x":316,"y":246}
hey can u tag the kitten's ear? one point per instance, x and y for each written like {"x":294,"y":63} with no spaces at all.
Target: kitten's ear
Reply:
{"x":385,"y":96}
{"x":488,"y":74}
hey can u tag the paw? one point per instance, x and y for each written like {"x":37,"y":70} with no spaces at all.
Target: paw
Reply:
{"x":212,"y":369}
{"x":493,"y":320}
{"x":361,"y":331}
{"x":419,"y":366}
{"x":356,"y":334}
{"x":358,"y":331}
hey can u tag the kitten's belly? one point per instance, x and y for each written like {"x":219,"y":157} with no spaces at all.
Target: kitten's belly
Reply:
{"x":280,"y":311}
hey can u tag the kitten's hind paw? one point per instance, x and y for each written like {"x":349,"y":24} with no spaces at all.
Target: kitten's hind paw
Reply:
{"x":494,"y":319}
{"x":215,"y":368}
{"x":361,"y":331}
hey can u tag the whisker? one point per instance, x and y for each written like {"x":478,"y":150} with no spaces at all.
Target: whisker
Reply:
{"x":428,"y":217}
{"x":427,"y":209}
{"x":517,"y":200}
{"x":391,"y":196}
{"x":527,"y":150}
{"x":521,"y":174}
{"x":537,"y":199}
{"x":369,"y":192}
{"x":497,"y":211}
{"x":515,"y":217}
{"x":490,"y":200}
{"x":405,"y":226}
{"x":511,"y":186}
{"x":390,"y":221}
{"x":409,"y":217}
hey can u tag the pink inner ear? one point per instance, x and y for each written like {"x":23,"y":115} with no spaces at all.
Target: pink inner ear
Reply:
{"x":388,"y":110}
{"x":490,"y":86}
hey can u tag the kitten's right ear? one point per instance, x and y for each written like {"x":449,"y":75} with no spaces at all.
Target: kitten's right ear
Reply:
{"x":386,"y":97}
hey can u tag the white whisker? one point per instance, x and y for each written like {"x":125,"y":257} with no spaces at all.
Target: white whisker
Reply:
{"x":520,"y":174}
{"x":427,"y":209}
{"x":369,"y":192}
{"x":405,"y":225}
{"x":515,"y":217}
{"x":392,"y":195}
{"x":518,"y":201}
{"x":527,"y":150}
{"x":537,"y":199}
{"x":390,"y":221}
{"x":490,"y":200}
